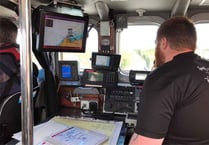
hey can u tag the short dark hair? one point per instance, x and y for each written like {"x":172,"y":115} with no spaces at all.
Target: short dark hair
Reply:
{"x":8,"y":31}
{"x":180,"y":33}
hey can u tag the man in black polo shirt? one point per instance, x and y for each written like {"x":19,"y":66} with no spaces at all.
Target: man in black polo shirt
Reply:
{"x":174,"y":107}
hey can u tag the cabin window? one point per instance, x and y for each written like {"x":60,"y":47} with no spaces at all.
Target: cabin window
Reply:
{"x":83,"y":58}
{"x":202,"y":41}
{"x":137,"y":47}
{"x":34,"y":59}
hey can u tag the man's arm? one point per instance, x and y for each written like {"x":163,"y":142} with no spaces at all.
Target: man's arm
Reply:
{"x":142,"y":140}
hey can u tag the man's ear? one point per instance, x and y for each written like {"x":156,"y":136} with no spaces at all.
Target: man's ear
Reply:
{"x":164,"y":43}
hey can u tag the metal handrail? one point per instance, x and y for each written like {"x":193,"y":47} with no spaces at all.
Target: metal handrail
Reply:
{"x":26,"y":71}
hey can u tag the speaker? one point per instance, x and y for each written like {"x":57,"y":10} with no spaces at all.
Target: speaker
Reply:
{"x":121,"y":21}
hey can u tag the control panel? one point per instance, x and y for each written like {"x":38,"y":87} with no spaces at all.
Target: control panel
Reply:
{"x":121,"y":100}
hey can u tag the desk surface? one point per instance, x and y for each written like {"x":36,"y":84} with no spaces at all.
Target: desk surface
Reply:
{"x":126,"y":132}
{"x":111,"y":129}
{"x":76,"y":113}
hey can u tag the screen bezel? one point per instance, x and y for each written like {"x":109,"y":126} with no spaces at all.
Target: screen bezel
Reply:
{"x":114,"y":61}
{"x":74,"y":69}
{"x":41,"y":46}
{"x":136,"y":81}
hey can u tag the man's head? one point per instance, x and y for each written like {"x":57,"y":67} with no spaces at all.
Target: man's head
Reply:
{"x":8,"y":31}
{"x":176,"y":35}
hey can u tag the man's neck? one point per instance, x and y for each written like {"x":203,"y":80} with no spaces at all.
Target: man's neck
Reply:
{"x":173,"y":53}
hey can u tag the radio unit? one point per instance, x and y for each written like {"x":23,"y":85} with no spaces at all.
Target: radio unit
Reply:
{"x":105,"y":61}
{"x":137,"y":78}
{"x":96,"y":78}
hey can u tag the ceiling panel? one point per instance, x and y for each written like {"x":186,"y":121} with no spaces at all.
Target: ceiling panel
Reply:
{"x":5,"y":12}
{"x":130,"y":5}
{"x":117,"y":5}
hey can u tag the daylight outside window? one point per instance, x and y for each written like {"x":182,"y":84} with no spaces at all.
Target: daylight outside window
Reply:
{"x":137,"y":47}
{"x":202,"y":41}
{"x":34,"y":59}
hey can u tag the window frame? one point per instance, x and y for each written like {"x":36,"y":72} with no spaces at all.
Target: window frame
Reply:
{"x":200,"y":18}
{"x":134,"y":21}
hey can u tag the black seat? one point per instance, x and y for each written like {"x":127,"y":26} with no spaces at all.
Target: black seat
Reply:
{"x":10,"y":117}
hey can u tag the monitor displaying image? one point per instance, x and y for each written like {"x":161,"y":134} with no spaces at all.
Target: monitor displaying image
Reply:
{"x":137,"y":78}
{"x":105,"y":61}
{"x":95,"y":77}
{"x":140,"y":76}
{"x":102,"y":60}
{"x":66,"y":71}
{"x":62,"y":32}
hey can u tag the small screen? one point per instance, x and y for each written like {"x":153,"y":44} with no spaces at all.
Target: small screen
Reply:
{"x":102,"y":60}
{"x":69,"y":33}
{"x":95,"y":76}
{"x":105,"y":61}
{"x":66,"y":71}
{"x":140,"y":76}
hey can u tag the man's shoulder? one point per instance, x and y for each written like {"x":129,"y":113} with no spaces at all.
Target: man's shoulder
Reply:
{"x":10,"y":49}
{"x":167,"y":74}
{"x":8,"y":64}
{"x":8,"y":59}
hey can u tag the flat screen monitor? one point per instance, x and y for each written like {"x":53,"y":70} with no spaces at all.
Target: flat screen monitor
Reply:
{"x":138,"y":77}
{"x":68,"y":71}
{"x":95,"y":76}
{"x":62,"y":32}
{"x":103,"y":61}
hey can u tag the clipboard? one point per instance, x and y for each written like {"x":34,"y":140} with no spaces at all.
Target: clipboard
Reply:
{"x":76,"y":136}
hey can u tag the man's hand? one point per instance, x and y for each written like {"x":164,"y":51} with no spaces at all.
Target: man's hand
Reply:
{"x":142,"y":140}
